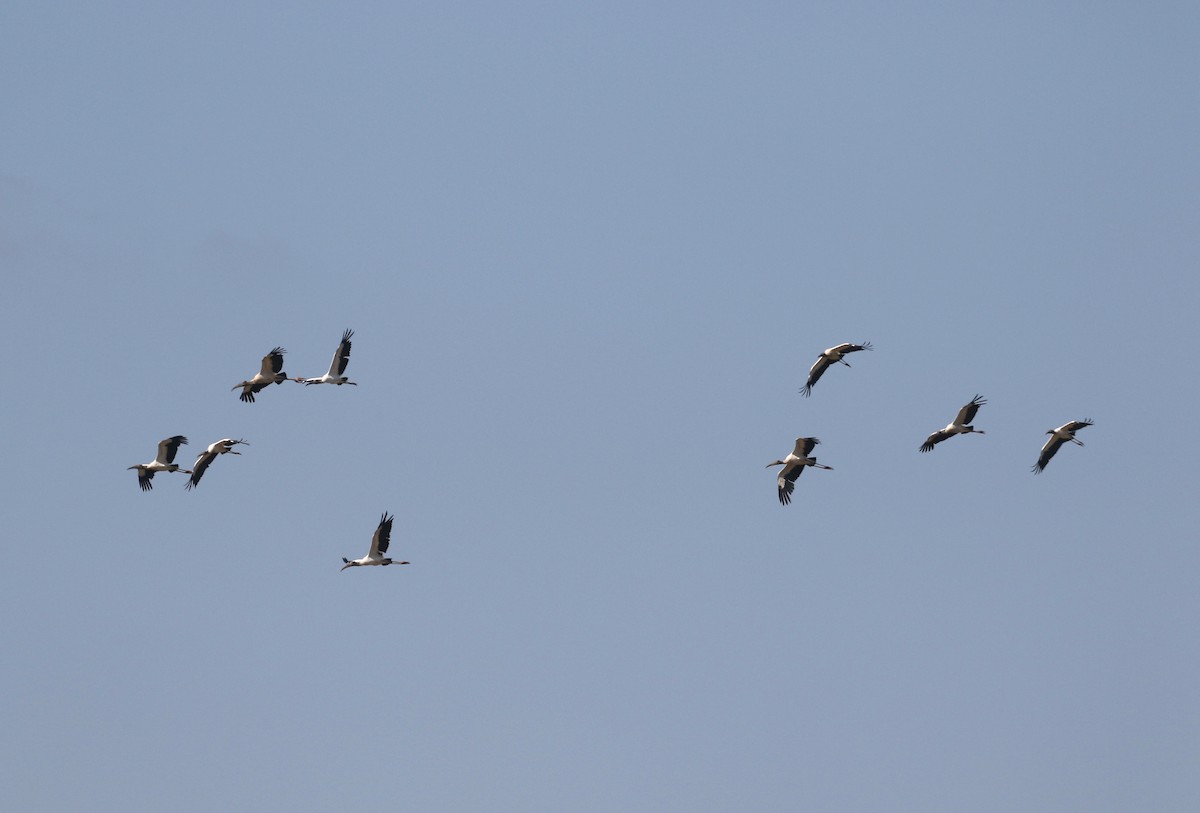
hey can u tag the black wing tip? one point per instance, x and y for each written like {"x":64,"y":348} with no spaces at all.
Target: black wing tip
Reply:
{"x":806,"y":390}
{"x":866,"y":346}
{"x":346,"y":334}
{"x":927,"y":447}
{"x":385,"y":525}
{"x":785,"y":498}
{"x":978,"y":400}
{"x":276,"y":351}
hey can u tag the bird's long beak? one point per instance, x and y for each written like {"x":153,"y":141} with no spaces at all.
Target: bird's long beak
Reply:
{"x":345,"y":566}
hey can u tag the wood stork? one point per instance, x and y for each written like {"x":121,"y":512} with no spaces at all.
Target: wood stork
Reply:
{"x":959,"y":426}
{"x":793,"y":467}
{"x":379,"y":546}
{"x":1058,"y":437}
{"x":831,"y":356}
{"x":205,"y":459}
{"x":270,"y":373}
{"x":164,"y":461}
{"x":337,"y":368}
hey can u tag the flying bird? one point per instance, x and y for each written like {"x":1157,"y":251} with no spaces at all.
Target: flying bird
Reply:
{"x":961,"y":425}
{"x":1058,"y":437}
{"x":164,"y":461}
{"x":205,"y":459}
{"x":271,"y":373}
{"x":379,"y":546}
{"x":337,"y":369}
{"x":831,"y":356}
{"x":793,"y":467}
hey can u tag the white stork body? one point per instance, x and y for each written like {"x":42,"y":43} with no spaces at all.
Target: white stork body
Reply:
{"x":379,"y":546}
{"x":831,"y":356}
{"x":270,"y":373}
{"x":1058,"y":437}
{"x":793,"y":467}
{"x":961,"y":425}
{"x":337,"y":368}
{"x":164,"y":461}
{"x":205,"y":459}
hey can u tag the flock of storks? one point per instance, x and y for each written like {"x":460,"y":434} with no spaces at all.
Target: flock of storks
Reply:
{"x":271,"y":372}
{"x":795,"y":463}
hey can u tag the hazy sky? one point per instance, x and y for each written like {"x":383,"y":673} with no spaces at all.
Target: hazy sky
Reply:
{"x":590,"y":252}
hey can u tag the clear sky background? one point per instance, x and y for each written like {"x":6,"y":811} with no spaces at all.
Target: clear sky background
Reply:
{"x":590,"y":251}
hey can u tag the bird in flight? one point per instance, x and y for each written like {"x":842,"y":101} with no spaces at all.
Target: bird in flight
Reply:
{"x":793,"y":467}
{"x":961,"y":425}
{"x":831,"y":356}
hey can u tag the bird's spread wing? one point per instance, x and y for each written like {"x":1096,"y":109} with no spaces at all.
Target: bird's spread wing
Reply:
{"x":967,"y":413}
{"x":787,"y":482}
{"x":383,"y":536}
{"x":168,"y":447}
{"x":814,"y":374}
{"x":804,"y":446}
{"x":202,"y":463}
{"x":144,"y":478}
{"x":1075,"y":426}
{"x":934,"y":439}
{"x":341,"y":356}
{"x":848,"y":347}
{"x":272,"y":363}
{"x":1048,"y":451}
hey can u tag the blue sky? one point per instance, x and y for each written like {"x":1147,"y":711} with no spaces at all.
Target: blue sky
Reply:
{"x":589,"y":252}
